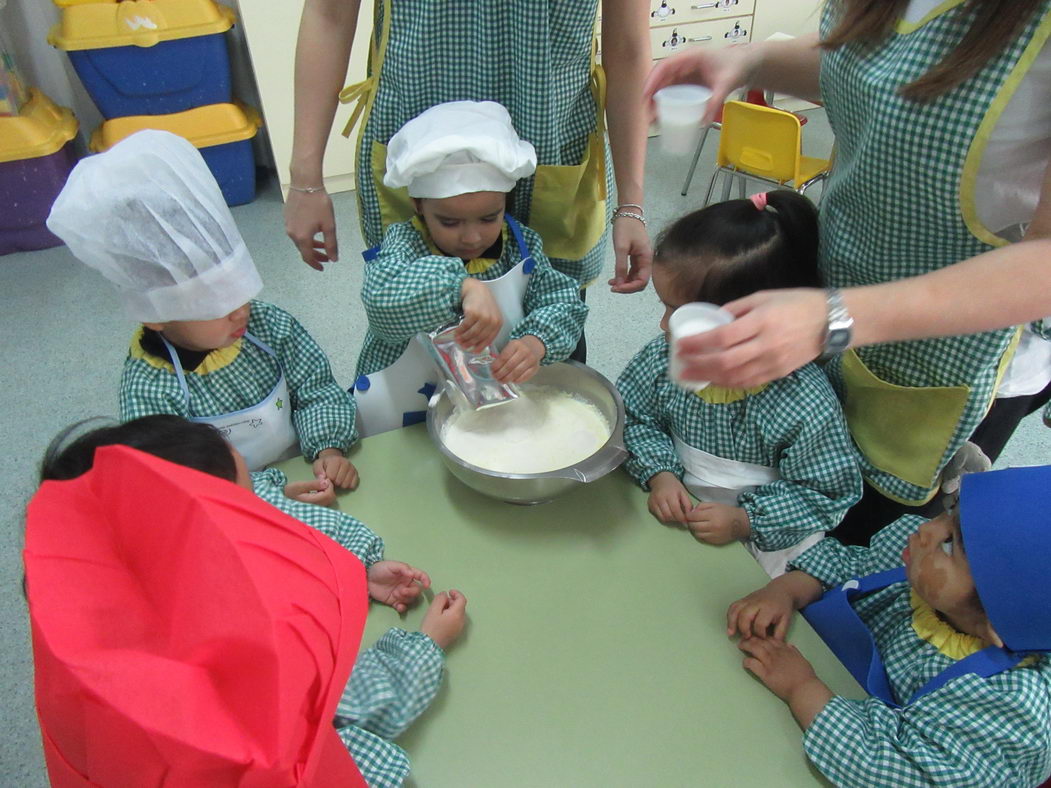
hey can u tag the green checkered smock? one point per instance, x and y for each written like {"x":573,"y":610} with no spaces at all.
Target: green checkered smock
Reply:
{"x":338,"y":526}
{"x":793,"y":424}
{"x":533,"y":57}
{"x":408,"y":288}
{"x":971,"y":733}
{"x":240,"y":376}
{"x":396,"y":679}
{"x":899,"y":202}
{"x":392,"y":683}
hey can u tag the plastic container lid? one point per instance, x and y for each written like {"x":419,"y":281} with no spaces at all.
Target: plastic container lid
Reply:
{"x":143,"y":23}
{"x":42,"y":128}
{"x":214,"y":124}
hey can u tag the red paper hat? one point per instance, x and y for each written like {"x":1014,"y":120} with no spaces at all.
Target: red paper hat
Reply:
{"x":185,"y":633}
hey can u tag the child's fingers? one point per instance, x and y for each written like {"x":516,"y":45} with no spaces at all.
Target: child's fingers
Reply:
{"x":781,"y":628}
{"x":422,"y":577}
{"x":754,"y":666}
{"x":458,"y":600}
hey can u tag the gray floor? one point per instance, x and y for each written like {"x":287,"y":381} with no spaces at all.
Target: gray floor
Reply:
{"x":64,"y":339}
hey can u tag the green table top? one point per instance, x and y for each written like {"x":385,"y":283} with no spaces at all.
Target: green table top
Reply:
{"x":595,"y":652}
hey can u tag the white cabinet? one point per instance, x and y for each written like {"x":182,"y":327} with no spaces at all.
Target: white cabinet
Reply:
{"x":792,"y":17}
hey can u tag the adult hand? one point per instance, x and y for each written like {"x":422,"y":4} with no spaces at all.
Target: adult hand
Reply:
{"x":396,"y":583}
{"x":332,"y":465}
{"x":481,"y":316}
{"x":774,"y":333}
{"x":445,"y":618}
{"x":722,"y":70}
{"x":316,"y":491}
{"x":519,"y":360}
{"x":307,"y":215}
{"x":634,"y":256}
{"x":669,"y":499}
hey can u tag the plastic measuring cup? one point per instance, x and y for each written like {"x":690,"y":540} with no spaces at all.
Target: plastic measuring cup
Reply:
{"x":679,"y":112}
{"x":686,"y":321}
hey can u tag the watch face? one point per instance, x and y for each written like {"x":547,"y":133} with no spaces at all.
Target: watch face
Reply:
{"x":837,"y":340}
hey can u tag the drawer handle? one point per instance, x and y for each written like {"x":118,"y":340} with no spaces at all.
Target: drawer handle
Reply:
{"x":696,"y":40}
{"x":703,"y":6}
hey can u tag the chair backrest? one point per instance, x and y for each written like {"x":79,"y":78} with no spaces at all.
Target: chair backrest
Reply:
{"x":760,"y":140}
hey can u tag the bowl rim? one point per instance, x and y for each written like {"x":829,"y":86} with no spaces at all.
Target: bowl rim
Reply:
{"x":560,"y":473}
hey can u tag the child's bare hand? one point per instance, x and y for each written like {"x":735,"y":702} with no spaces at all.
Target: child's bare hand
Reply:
{"x":317,"y":491}
{"x":445,"y":618}
{"x":396,"y":583}
{"x":481,"y":317}
{"x":669,"y":500}
{"x":763,"y":613}
{"x":718,"y":523}
{"x":332,"y":465}
{"x":519,"y":360}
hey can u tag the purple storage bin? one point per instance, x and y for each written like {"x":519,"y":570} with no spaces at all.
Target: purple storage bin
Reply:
{"x":28,"y":187}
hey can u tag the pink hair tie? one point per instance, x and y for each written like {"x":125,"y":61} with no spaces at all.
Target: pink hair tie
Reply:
{"x":759,"y":200}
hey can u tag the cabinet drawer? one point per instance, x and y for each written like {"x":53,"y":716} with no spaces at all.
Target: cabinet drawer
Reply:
{"x":671,"y":39}
{"x":666,"y":12}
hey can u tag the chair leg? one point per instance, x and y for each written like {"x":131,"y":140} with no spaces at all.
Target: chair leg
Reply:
{"x":696,"y":156}
{"x":728,"y":184}
{"x":741,"y":183}
{"x":711,"y":186}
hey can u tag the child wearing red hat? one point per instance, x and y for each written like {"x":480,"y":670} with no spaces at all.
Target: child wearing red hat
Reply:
{"x":227,"y":662}
{"x":945,"y":622}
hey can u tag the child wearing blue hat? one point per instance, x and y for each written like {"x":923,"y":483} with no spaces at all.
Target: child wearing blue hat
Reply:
{"x":945,"y":622}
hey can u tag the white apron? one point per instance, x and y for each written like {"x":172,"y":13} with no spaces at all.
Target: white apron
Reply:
{"x":718,"y":480}
{"x":263,"y":432}
{"x":397,"y":396}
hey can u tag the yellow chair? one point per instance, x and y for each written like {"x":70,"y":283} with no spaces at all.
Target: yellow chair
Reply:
{"x":763,"y":143}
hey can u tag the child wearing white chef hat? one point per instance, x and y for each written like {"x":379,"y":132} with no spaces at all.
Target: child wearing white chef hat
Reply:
{"x":462,"y":254}
{"x":149,"y":216}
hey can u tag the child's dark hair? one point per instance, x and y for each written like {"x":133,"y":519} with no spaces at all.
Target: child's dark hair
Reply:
{"x":732,"y":249}
{"x":172,"y":438}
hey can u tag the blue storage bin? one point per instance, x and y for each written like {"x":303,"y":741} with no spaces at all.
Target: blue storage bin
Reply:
{"x":171,"y":76}
{"x":147,"y":57}
{"x":221,"y":132}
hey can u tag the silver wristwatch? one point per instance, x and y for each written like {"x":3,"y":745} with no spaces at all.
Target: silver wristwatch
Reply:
{"x":840,"y":326}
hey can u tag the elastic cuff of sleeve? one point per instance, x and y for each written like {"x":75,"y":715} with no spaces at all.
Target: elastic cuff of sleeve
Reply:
{"x":645,"y":483}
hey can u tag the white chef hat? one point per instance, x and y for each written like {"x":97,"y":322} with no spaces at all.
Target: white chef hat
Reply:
{"x":149,"y":216}
{"x":457,"y":148}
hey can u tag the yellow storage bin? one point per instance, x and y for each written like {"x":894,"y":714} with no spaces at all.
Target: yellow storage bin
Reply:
{"x":143,"y":23}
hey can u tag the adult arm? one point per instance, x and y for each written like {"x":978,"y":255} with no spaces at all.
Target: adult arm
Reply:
{"x":326,"y":31}
{"x":791,"y":67}
{"x":626,"y":59}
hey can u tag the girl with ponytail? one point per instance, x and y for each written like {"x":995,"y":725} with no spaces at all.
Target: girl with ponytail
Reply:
{"x":772,"y":466}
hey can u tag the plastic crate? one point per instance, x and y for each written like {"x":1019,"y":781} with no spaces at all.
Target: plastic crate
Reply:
{"x":221,"y":132}
{"x":148,"y":57}
{"x":36,"y":156}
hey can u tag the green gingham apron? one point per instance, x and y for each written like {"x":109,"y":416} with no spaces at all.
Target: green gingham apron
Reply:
{"x":899,"y":203}
{"x":537,"y":59}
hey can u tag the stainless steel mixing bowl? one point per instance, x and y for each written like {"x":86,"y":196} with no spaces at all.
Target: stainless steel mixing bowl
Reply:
{"x":529,"y":488}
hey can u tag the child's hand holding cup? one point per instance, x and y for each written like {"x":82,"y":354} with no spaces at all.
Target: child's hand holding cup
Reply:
{"x":686,"y":321}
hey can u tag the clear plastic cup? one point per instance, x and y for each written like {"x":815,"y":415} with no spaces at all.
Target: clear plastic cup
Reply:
{"x":679,"y":112}
{"x":687,"y":321}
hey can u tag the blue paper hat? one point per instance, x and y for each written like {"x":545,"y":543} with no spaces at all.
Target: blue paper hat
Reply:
{"x":1005,"y":519}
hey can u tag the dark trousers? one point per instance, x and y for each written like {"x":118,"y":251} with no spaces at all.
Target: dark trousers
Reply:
{"x":874,"y":511}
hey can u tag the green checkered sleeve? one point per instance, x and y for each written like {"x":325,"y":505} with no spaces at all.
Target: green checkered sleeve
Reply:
{"x":802,"y":422}
{"x":554,"y":313}
{"x":382,"y":763}
{"x":972,"y":733}
{"x":647,"y":432}
{"x":342,"y":528}
{"x":392,"y":683}
{"x":408,"y":289}
{"x":834,"y":563}
{"x":322,"y":411}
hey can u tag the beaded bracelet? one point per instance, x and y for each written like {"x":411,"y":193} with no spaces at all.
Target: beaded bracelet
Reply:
{"x":306,"y":189}
{"x":630,"y":215}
